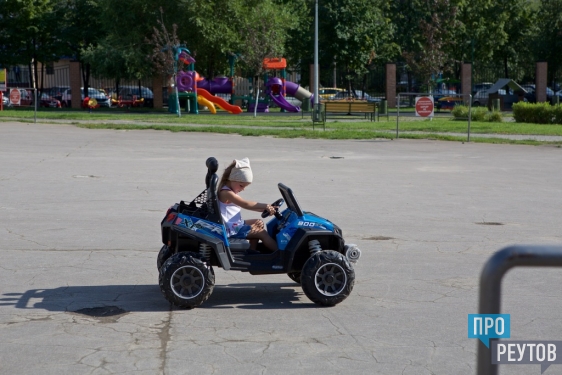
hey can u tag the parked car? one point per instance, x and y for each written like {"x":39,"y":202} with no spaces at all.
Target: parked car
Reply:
{"x":102,"y":100}
{"x":531,"y":95}
{"x":56,"y":92}
{"x":329,"y":93}
{"x":481,"y":97}
{"x":47,"y":101}
{"x":6,"y":99}
{"x":294,"y":101}
{"x":482,"y":86}
{"x":442,"y":93}
{"x":356,"y":95}
{"x":127,"y":93}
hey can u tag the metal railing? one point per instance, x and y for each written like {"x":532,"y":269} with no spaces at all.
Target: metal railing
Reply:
{"x":415,"y":94}
{"x":490,"y":285}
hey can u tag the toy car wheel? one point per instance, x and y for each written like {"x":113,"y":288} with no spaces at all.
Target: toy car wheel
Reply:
{"x":327,"y":278}
{"x":185,"y":280}
{"x":295,"y":276}
{"x":163,"y":255}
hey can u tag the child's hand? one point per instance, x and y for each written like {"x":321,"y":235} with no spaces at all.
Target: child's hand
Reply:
{"x":271,"y":209}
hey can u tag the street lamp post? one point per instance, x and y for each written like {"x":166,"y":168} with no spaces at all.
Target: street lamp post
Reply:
{"x":316,"y":112}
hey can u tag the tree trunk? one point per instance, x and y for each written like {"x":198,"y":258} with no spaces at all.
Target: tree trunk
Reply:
{"x":86,"y":77}
{"x":35,"y":74}
{"x":30,"y":73}
{"x":42,"y":85}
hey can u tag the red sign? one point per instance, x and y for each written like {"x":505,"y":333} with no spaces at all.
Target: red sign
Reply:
{"x":424,"y":106}
{"x":15,"y":96}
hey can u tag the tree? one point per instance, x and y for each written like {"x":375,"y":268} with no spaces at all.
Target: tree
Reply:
{"x":428,"y":53}
{"x":263,"y":32}
{"x":213,"y":32}
{"x":354,"y":34}
{"x":125,"y":51}
{"x":165,"y":45}
{"x":82,"y":30}
{"x":29,"y":34}
{"x":519,"y":29}
{"x":548,"y":40}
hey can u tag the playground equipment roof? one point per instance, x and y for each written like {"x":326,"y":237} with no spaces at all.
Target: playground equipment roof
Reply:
{"x":274,"y":63}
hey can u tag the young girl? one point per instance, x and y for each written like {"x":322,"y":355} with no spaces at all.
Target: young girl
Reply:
{"x":236,"y":177}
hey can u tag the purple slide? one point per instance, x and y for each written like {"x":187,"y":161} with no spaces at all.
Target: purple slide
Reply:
{"x":274,"y":85}
{"x":282,"y":103}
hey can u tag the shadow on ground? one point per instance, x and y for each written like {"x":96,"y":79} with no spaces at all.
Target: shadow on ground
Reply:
{"x":147,"y":298}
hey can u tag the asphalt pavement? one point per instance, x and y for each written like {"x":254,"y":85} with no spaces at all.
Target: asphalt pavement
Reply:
{"x":80,"y":213}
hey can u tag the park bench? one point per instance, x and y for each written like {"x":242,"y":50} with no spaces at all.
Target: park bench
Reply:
{"x":350,"y":108}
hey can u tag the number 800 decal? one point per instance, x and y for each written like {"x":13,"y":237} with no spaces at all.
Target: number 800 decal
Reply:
{"x":306,"y":224}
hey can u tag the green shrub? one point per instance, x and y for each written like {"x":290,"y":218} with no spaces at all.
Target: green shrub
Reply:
{"x":460,"y":112}
{"x":537,"y":113}
{"x":479,"y":114}
{"x":494,"y":116}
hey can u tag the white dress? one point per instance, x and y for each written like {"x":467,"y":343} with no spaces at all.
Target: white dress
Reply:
{"x":231,"y":215}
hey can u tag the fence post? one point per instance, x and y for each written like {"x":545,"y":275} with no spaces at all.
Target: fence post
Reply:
{"x":496,"y":105}
{"x":75,"y":84}
{"x":469,"y":116}
{"x":383,"y":108}
{"x":541,"y":81}
{"x":157,"y":97}
{"x":397,"y":115}
{"x":390,"y":87}
{"x":35,"y":105}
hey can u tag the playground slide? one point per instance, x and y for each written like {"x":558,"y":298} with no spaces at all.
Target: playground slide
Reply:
{"x":297,"y":91}
{"x":282,"y":103}
{"x":204,"y":102}
{"x":221,"y":103}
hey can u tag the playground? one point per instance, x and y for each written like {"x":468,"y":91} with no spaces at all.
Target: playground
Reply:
{"x":198,"y":91}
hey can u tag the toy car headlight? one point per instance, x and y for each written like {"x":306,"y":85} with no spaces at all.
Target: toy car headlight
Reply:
{"x":352,"y":253}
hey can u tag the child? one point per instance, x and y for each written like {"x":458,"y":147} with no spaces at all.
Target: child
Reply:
{"x":236,"y":177}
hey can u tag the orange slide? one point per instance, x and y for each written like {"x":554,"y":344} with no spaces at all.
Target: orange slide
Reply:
{"x":234,"y":109}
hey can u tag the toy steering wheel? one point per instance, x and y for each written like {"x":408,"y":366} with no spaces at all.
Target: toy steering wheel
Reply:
{"x":279,"y":202}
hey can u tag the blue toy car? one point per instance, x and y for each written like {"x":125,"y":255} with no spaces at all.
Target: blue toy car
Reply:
{"x":312,"y":250}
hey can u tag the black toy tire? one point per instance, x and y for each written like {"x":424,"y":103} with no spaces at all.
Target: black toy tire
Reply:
{"x":327,"y":278}
{"x":295,"y":276}
{"x":163,"y":255}
{"x":185,"y":280}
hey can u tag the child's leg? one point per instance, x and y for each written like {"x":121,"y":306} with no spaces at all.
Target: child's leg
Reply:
{"x":259,"y":231}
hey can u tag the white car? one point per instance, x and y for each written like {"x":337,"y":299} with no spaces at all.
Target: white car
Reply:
{"x":6,"y":99}
{"x":481,"y":97}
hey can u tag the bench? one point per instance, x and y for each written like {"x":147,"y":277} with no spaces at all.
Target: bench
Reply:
{"x":351,"y":107}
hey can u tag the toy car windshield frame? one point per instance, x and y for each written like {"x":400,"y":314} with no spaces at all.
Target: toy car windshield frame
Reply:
{"x":290,"y":199}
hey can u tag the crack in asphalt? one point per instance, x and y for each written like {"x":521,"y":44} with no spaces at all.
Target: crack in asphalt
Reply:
{"x":164,"y":336}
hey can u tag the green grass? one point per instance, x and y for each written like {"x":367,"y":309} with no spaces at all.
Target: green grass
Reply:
{"x":289,"y":126}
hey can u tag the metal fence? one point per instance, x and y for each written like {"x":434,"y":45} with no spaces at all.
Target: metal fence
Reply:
{"x":489,"y":73}
{"x":372,"y":83}
{"x":440,"y":102}
{"x":491,"y":280}
{"x":54,"y":81}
